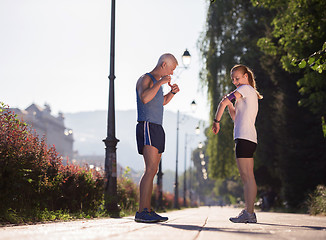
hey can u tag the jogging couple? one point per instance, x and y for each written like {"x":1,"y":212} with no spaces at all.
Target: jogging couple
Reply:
{"x":151,"y":137}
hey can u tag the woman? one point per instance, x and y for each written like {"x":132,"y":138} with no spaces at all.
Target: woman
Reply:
{"x":243,"y":113}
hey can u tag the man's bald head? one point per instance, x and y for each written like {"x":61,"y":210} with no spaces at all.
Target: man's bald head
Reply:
{"x":168,"y":58}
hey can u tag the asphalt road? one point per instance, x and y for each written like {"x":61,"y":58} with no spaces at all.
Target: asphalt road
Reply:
{"x":202,"y":223}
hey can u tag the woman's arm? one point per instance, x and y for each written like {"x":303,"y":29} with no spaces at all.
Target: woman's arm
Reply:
{"x":226,"y":101}
{"x":231,"y":111}
{"x":236,"y":95}
{"x":218,"y":115}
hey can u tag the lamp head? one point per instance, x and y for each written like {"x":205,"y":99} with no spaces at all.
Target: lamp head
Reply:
{"x":186,"y":58}
{"x":197,"y":131}
{"x":193,"y":105}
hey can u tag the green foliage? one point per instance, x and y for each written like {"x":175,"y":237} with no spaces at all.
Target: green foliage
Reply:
{"x":47,"y":215}
{"x":33,"y":179}
{"x":230,"y":190}
{"x":290,"y":158}
{"x":268,"y":46}
{"x":316,"y":61}
{"x":298,"y":27}
{"x":204,"y":183}
{"x":36,"y":186}
{"x":323,"y":124}
{"x":317,"y":201}
{"x":233,"y":29}
{"x":167,"y":198}
{"x":127,"y":192}
{"x":220,"y":51}
{"x":221,"y":149}
{"x":298,"y":38}
{"x":314,"y":91}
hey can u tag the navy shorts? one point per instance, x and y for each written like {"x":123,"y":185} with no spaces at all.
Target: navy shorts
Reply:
{"x":244,"y":148}
{"x":152,"y":134}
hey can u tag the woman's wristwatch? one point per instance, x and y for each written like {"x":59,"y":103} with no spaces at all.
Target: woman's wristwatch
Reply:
{"x":216,"y":121}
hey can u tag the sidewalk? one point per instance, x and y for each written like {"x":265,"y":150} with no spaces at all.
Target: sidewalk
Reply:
{"x":202,"y":223}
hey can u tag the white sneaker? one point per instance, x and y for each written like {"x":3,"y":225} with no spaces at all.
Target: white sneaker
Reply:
{"x":244,"y":217}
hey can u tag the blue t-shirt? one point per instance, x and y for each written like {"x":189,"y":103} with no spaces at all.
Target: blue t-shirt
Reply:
{"x":153,"y":110}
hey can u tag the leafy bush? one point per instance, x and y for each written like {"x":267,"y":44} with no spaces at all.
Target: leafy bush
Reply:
{"x":317,"y":201}
{"x":128,"y":194}
{"x":36,"y":186}
{"x":33,"y":177}
{"x":167,"y":199}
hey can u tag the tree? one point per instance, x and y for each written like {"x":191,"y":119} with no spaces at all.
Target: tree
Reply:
{"x":298,"y":37}
{"x":203,"y":185}
{"x":233,"y":28}
{"x":298,"y":30}
{"x":291,"y":144}
{"x":219,"y":53}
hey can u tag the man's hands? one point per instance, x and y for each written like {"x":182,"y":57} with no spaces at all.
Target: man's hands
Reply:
{"x":174,"y":88}
{"x":167,"y":79}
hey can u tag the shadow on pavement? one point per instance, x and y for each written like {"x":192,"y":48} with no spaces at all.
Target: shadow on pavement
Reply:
{"x":293,"y":226}
{"x":213,"y":229}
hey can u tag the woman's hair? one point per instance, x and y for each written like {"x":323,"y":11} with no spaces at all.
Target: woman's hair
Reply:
{"x":251,"y":76}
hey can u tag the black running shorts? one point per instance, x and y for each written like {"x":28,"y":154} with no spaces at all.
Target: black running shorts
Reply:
{"x":244,"y":148}
{"x":152,"y":134}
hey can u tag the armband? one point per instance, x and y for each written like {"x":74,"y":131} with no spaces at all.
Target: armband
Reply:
{"x":231,"y":96}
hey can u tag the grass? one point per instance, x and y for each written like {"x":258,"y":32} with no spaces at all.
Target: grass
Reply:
{"x":14,"y":217}
{"x":40,"y":216}
{"x":317,"y":201}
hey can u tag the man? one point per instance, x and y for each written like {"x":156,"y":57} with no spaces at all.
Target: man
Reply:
{"x":149,"y":131}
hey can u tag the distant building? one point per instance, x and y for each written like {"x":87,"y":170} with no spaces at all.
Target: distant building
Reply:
{"x":47,"y":125}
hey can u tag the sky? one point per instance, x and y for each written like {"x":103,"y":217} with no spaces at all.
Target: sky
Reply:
{"x":57,"y":52}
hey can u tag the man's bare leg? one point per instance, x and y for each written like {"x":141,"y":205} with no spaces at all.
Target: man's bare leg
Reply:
{"x":152,"y":159}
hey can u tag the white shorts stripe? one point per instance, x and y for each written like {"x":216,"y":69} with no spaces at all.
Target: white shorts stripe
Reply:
{"x":147,"y":135}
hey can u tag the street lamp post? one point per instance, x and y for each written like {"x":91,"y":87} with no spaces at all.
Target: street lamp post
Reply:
{"x":197,"y":131}
{"x":186,"y":58}
{"x":190,"y":182}
{"x":176,"y":187}
{"x":185,"y":175}
{"x":200,"y":146}
{"x":110,"y":192}
{"x":159,"y":201}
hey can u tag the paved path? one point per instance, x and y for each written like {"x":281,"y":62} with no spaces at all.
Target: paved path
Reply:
{"x":202,"y":223}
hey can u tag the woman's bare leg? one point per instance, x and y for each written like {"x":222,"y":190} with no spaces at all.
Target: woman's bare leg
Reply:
{"x":246,"y":169}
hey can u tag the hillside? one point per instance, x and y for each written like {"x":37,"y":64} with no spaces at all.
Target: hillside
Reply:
{"x":89,"y":129}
